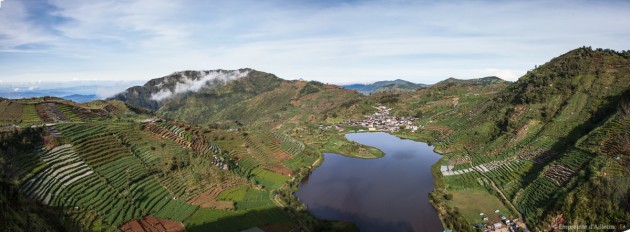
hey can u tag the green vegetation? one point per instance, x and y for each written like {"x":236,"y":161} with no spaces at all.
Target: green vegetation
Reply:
{"x":538,"y":137}
{"x":387,"y":86}
{"x":268,"y":179}
{"x":473,"y":202}
{"x":552,"y":146}
{"x":214,"y":220}
{"x":234,"y":194}
{"x":101,"y":167}
{"x":29,"y":115}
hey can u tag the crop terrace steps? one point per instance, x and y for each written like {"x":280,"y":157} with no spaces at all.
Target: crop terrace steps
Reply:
{"x":63,"y":168}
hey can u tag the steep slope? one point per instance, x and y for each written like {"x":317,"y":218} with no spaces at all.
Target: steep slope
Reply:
{"x":297,"y":102}
{"x":386,"y":86}
{"x":531,"y":140}
{"x":551,"y":147}
{"x":177,"y":87}
{"x":245,"y":95}
{"x":109,"y":166}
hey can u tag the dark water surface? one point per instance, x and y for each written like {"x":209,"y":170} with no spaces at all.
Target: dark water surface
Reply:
{"x":384,"y":194}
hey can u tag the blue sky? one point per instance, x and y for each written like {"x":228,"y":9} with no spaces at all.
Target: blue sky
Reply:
{"x":330,"y":41}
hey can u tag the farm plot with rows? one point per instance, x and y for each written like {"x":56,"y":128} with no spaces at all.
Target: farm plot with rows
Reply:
{"x":69,"y":112}
{"x":267,"y":152}
{"x":115,"y":174}
{"x":10,"y":113}
{"x":49,"y":113}
{"x":29,"y":115}
{"x":152,"y":152}
{"x":268,"y":179}
{"x":120,"y":187}
{"x":535,"y":196}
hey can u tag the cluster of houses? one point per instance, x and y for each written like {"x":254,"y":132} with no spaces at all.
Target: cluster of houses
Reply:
{"x":220,"y":162}
{"x":504,"y":224}
{"x":383,"y":121}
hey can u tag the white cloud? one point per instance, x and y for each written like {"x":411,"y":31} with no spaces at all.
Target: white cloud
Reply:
{"x":104,"y":92}
{"x":351,"y":42}
{"x":16,"y":29}
{"x":188,"y":84}
{"x":16,"y":90}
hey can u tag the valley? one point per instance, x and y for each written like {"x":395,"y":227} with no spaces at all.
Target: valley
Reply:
{"x":549,"y":149}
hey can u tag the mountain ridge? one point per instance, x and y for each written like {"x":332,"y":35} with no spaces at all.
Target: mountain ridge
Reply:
{"x":153,"y":92}
{"x":543,"y":137}
{"x":379,"y":86}
{"x":243,"y":99}
{"x":552,"y":146}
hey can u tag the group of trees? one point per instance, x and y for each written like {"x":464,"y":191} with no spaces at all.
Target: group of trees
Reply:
{"x":20,"y":139}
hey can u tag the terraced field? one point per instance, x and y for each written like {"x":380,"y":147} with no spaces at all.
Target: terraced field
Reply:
{"x":268,"y":178}
{"x":69,"y":112}
{"x":112,"y":183}
{"x":10,"y":113}
{"x":109,"y":170}
{"x":107,"y":173}
{"x":150,"y":151}
{"x":63,"y":168}
{"x":29,"y":115}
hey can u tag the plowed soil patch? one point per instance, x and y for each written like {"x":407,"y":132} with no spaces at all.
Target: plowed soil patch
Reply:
{"x":208,"y":199}
{"x":152,"y":224}
{"x":281,"y":170}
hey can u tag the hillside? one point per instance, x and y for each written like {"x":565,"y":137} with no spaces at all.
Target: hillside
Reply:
{"x":397,"y":85}
{"x":476,"y":81}
{"x":536,"y":144}
{"x":109,"y":166}
{"x":225,"y":150}
{"x":173,"y":88}
{"x":247,"y":96}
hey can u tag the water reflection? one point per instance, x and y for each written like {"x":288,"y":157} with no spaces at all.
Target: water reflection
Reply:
{"x":385,"y":194}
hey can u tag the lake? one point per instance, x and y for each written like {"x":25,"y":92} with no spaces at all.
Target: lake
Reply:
{"x":384,"y":194}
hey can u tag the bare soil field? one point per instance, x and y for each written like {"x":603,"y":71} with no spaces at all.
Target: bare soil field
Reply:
{"x":152,"y":224}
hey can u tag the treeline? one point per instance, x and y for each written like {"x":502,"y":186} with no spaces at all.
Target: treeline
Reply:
{"x":20,"y":140}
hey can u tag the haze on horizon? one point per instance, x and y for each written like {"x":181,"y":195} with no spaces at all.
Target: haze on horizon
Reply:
{"x":330,"y":41}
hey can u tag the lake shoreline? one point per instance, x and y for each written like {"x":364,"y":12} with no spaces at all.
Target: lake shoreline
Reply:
{"x":400,"y":153}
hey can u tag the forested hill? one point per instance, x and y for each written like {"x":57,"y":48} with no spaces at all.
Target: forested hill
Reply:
{"x":397,"y":85}
{"x":245,"y":95}
{"x":477,"y":81}
{"x":219,"y":149}
{"x":554,"y":143}
{"x":169,"y":89}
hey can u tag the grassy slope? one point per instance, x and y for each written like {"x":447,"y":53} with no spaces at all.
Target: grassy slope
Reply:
{"x":564,"y":115}
{"x":473,"y":202}
{"x":535,"y":122}
{"x":138,"y":168}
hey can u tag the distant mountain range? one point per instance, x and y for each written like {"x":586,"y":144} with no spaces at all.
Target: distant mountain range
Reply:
{"x":551,"y":148}
{"x":477,"y":81}
{"x":78,"y":91}
{"x":399,"y":85}
{"x":380,"y":86}
{"x":81,"y":97}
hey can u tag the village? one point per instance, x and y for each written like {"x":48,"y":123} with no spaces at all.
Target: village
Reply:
{"x":382,"y":121}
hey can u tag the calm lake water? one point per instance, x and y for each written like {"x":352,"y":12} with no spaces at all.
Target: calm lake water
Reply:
{"x":384,"y":194}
